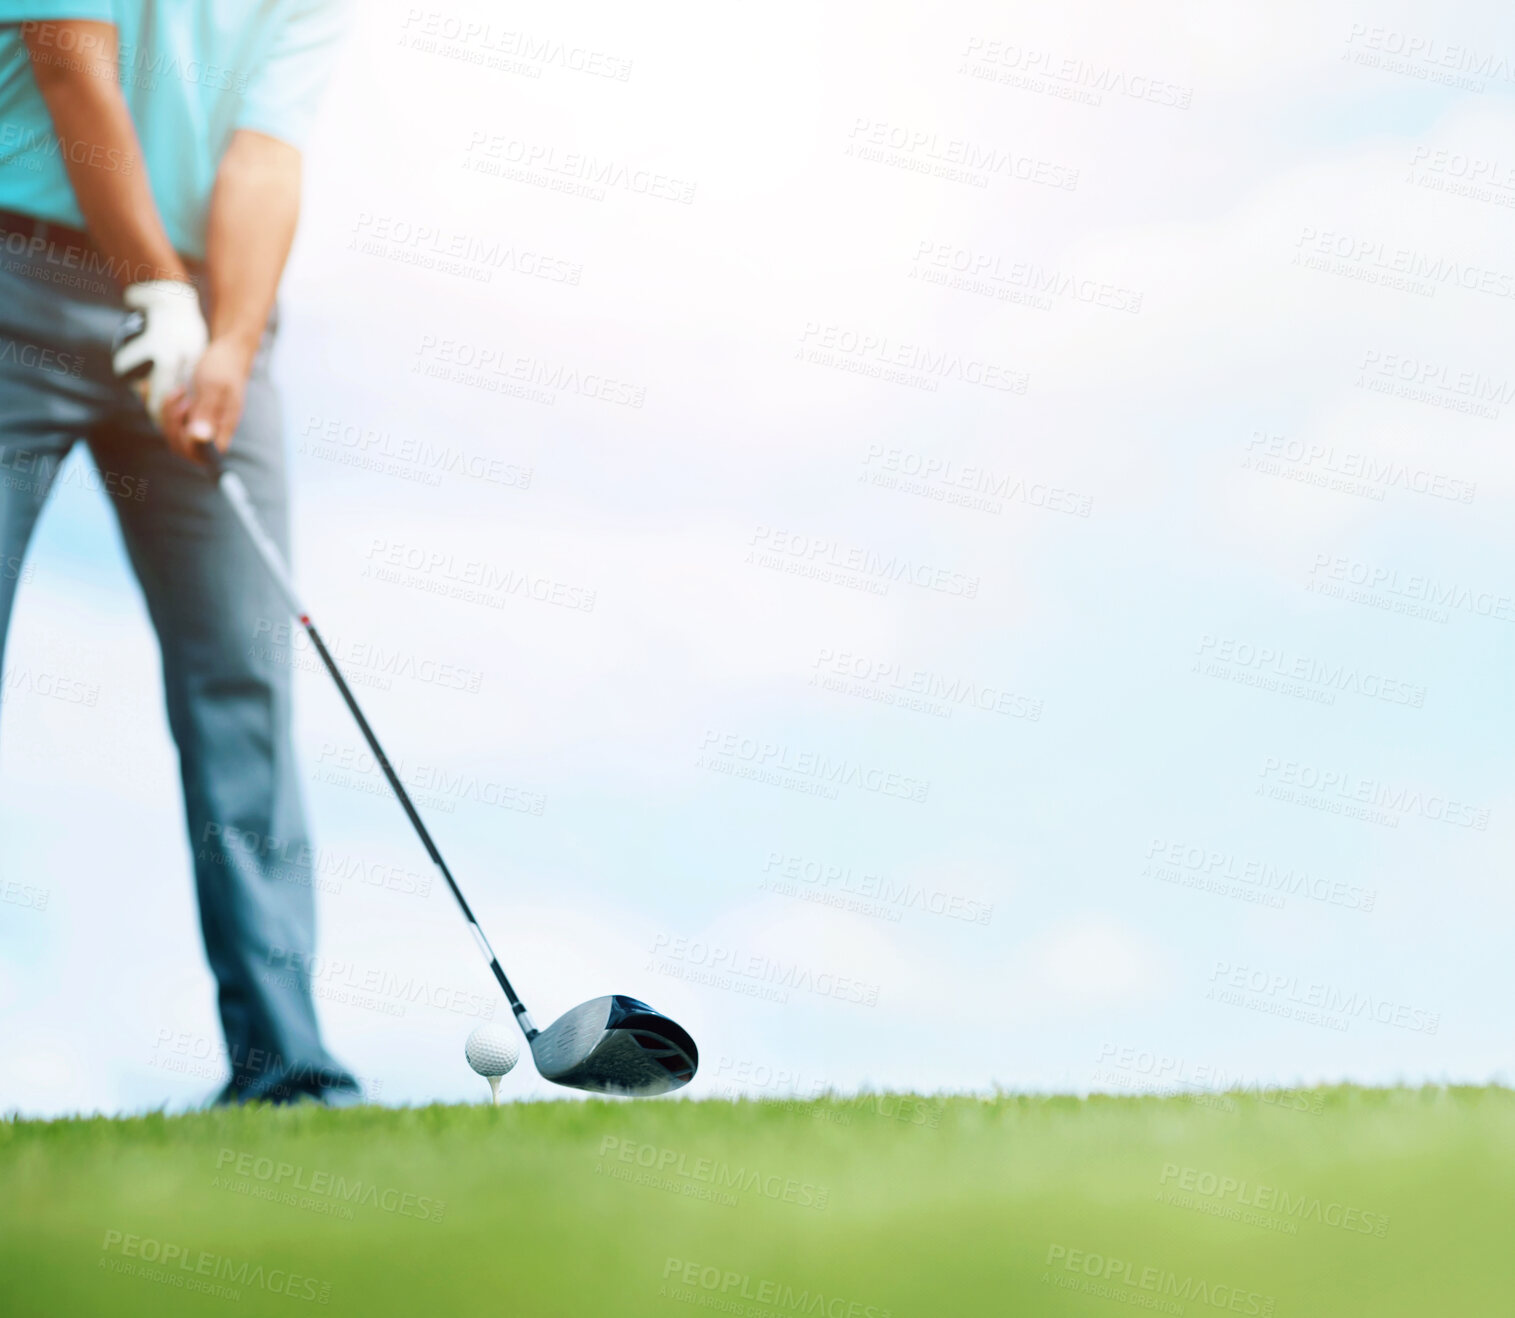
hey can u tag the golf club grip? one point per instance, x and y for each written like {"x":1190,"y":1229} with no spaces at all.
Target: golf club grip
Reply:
{"x":231,"y":486}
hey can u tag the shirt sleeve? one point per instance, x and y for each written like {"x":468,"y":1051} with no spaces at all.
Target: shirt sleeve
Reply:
{"x":284,"y":90}
{"x":30,"y":11}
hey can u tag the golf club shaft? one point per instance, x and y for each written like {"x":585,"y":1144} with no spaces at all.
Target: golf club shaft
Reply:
{"x":230,"y":485}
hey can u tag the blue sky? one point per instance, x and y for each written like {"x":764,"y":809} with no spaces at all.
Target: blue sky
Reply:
{"x":1080,"y":893}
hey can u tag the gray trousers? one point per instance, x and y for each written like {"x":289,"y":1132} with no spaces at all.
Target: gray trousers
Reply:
{"x":228,"y":698}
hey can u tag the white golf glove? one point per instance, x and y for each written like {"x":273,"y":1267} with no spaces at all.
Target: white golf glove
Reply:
{"x":165,"y":337}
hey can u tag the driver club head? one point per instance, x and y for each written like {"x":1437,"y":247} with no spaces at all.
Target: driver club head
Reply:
{"x":616,"y":1045}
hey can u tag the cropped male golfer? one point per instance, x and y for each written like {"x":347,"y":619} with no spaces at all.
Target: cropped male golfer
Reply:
{"x":150,"y":163}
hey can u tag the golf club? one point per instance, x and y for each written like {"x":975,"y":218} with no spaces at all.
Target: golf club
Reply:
{"x":608,"y":1045}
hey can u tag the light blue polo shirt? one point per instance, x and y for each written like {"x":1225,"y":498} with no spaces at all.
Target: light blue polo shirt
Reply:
{"x":192,"y":72}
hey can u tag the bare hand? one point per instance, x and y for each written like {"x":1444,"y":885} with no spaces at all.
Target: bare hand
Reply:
{"x":208,"y":412}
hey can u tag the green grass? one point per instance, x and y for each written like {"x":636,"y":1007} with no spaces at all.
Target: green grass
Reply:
{"x":1377,"y":1202}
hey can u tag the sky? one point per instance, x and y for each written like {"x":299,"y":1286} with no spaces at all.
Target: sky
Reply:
{"x":1013,"y":521}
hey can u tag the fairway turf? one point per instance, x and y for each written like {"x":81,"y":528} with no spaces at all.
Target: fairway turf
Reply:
{"x":1346,"y":1201}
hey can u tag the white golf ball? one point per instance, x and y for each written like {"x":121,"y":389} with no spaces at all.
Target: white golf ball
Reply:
{"x":492,"y":1049}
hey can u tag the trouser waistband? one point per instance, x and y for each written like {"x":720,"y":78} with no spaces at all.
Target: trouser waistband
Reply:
{"x":62,"y":245}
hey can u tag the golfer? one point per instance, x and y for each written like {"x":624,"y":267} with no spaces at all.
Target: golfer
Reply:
{"x":150,"y":164}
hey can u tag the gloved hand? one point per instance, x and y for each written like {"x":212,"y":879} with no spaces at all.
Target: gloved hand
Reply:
{"x":161,"y":342}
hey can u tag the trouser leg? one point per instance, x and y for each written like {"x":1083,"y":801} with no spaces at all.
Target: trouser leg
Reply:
{"x":48,"y":400}
{"x":228,"y":695}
